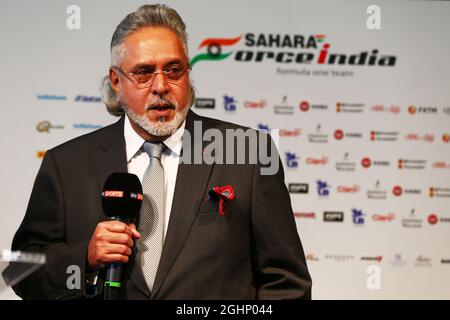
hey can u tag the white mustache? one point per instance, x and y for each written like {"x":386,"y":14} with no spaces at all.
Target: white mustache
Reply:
{"x":161,"y":102}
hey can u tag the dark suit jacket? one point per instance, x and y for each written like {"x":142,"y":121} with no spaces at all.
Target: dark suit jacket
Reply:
{"x":252,"y":252}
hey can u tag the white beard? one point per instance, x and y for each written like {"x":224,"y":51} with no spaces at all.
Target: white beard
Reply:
{"x":161,"y":127}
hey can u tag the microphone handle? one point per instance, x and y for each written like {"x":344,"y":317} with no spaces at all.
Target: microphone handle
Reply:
{"x":113,"y":278}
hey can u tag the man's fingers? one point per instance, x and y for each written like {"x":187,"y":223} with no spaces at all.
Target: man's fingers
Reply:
{"x":119,"y":227}
{"x":117,"y":238}
{"x":110,"y":258}
{"x":118,"y":249}
{"x":134,"y":231}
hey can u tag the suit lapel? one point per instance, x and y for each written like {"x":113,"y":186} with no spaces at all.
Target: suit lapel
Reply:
{"x":190,"y":186}
{"x":111,"y":154}
{"x":111,"y":157}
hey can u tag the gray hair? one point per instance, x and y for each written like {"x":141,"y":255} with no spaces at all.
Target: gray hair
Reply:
{"x":157,"y":15}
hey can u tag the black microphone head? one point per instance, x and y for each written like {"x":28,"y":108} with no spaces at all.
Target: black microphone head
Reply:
{"x":122,"y":195}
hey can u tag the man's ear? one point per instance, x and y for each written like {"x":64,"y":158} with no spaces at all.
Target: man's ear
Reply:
{"x":115,"y":83}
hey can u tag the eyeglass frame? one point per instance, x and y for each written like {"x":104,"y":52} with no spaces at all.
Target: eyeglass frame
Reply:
{"x":129,"y":76}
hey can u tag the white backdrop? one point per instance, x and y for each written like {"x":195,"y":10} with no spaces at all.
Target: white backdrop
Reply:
{"x":395,"y":115}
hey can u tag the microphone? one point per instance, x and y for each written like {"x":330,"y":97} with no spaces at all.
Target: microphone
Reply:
{"x":121,"y":200}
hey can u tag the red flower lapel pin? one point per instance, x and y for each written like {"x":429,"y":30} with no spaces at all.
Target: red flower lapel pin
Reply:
{"x":221,"y":195}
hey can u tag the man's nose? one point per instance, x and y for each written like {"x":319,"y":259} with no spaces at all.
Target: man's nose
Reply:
{"x":160,"y":86}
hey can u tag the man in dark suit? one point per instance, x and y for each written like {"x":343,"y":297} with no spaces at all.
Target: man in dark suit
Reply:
{"x":246,"y":248}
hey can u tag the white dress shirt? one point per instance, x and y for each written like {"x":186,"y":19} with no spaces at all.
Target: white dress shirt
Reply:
{"x":138,"y":161}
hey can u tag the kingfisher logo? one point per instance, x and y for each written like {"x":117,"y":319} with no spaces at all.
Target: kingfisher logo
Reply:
{"x":257,"y":48}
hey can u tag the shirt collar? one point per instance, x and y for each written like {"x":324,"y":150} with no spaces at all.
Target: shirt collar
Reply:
{"x":134,"y":142}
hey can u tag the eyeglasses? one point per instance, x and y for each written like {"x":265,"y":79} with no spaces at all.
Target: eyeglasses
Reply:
{"x":144,"y":78}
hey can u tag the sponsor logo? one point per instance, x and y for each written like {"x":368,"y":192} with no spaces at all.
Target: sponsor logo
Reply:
{"x":348,"y":189}
{"x":358,"y":217}
{"x":389,"y":136}
{"x":282,"y":132}
{"x":412,"y":164}
{"x":417,"y":137}
{"x":339,"y":134}
{"x":398,"y":191}
{"x":318,"y":136}
{"x":284,"y":108}
{"x":367,"y":163}
{"x":311,"y":257}
{"x":261,"y":104}
{"x":423,"y":261}
{"x":333,"y":216}
{"x":51,"y":97}
{"x":298,"y":188}
{"x":86,"y":126}
{"x":445,"y":261}
{"x":290,"y":133}
{"x":342,"y":107}
{"x":383,"y":217}
{"x":305,"y":215}
{"x":345,"y":164}
{"x":286,"y":49}
{"x":82,"y":98}
{"x":229,"y":103}
{"x":205,"y":103}
{"x":317,"y":161}
{"x":377,"y":193}
{"x":432,"y":219}
{"x":446,"y":137}
{"x":305,"y":106}
{"x":323,"y":189}
{"x":382,"y":108}
{"x":397,"y":261}
{"x":339,"y":257}
{"x":422,"y":110}
{"x":446,"y":110}
{"x":444,"y":219}
{"x":45,"y":126}
{"x":263,"y":127}
{"x":291,"y":160}
{"x":435,"y":192}
{"x":112,"y":194}
{"x":40,"y":154}
{"x":441,"y":165}
{"x":412,"y":221}
{"x":376,"y":258}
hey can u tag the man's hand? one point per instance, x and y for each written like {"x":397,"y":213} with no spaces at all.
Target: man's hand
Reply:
{"x":112,"y":241}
